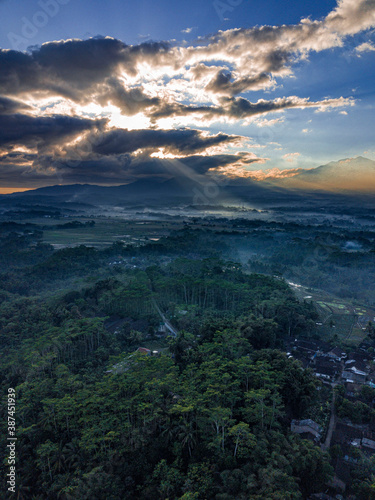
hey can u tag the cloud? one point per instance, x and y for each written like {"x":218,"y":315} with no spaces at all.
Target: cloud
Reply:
{"x":187,"y":30}
{"x":224,"y":84}
{"x":264,"y":122}
{"x":109,"y":170}
{"x":259,"y":175}
{"x":177,"y":142}
{"x":72,"y":68}
{"x":41,"y":132}
{"x":351,"y":16}
{"x":365,"y":47}
{"x":9,"y":106}
{"x":235,"y":61}
{"x":154,"y":77}
{"x":129,"y":100}
{"x":64,"y":150}
{"x":291,"y":156}
{"x":240,"y":108}
{"x":61,"y":100}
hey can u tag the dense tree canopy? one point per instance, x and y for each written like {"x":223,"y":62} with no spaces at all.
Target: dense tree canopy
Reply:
{"x":208,"y":417}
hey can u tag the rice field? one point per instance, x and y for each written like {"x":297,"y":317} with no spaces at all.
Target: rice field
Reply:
{"x":340,"y":319}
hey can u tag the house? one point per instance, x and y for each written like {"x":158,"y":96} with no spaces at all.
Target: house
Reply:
{"x":353,"y":378}
{"x":324,"y":368}
{"x":355,"y":372}
{"x":162,"y":328}
{"x":337,"y":354}
{"x":307,"y":427}
{"x":302,"y":359}
{"x":368,"y":443}
{"x":306,"y":344}
{"x":324,"y":347}
{"x":362,"y":356}
{"x":326,"y":372}
{"x":309,"y":348}
{"x":358,"y":367}
{"x":306,"y":348}
{"x":144,"y":350}
{"x":345,"y":434}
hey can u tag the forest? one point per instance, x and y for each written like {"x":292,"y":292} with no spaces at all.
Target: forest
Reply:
{"x":203,"y":414}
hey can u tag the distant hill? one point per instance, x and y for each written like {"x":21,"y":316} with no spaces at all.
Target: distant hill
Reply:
{"x":343,"y":178}
{"x":151,"y":192}
{"x":144,"y":190}
{"x":349,"y":175}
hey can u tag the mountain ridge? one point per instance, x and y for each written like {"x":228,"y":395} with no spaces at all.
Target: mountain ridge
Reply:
{"x":345,"y":175}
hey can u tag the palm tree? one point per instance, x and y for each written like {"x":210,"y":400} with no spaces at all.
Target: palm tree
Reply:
{"x":72,"y":454}
{"x":187,"y":434}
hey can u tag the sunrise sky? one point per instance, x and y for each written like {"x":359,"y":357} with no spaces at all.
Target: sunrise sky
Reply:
{"x":110,"y":92}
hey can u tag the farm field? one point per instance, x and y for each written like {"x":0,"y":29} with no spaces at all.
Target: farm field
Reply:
{"x":344,"y":320}
{"x":341,"y":319}
{"x":105,"y":232}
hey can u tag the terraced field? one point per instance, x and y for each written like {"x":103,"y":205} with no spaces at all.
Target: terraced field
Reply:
{"x":105,"y":232}
{"x":340,"y":319}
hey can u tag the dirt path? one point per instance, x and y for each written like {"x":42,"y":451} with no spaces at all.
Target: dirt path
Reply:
{"x":171,"y":329}
{"x":332,"y":423}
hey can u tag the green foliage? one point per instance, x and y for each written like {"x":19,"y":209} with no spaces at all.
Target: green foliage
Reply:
{"x":357,"y":411}
{"x":207,"y":418}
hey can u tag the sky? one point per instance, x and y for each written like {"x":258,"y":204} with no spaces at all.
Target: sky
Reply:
{"x":112,"y":92}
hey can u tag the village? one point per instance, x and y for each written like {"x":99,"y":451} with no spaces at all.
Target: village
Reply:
{"x":346,"y":390}
{"x":350,"y":375}
{"x":346,"y":373}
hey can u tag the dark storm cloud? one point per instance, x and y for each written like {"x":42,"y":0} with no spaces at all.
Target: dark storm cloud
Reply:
{"x":189,"y":166}
{"x":160,"y":80}
{"x":182,"y":141}
{"x":17,"y":158}
{"x":77,"y":69}
{"x":69,"y":68}
{"x":116,"y":169}
{"x":18,"y":72}
{"x":18,"y":129}
{"x":222,"y":83}
{"x":107,"y":71}
{"x":9,"y":106}
{"x":168,"y":110}
{"x":125,"y":168}
{"x":129,"y":101}
{"x":203,"y":164}
{"x":16,"y":170}
{"x":241,"y":108}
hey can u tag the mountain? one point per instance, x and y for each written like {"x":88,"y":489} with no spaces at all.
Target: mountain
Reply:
{"x":350,"y":175}
{"x":143,"y":190}
{"x":151,"y":191}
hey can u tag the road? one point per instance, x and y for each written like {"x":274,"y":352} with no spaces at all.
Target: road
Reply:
{"x":166,"y":322}
{"x":332,"y":423}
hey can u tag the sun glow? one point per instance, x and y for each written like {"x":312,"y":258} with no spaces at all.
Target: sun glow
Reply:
{"x":138,"y":121}
{"x":9,"y":190}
